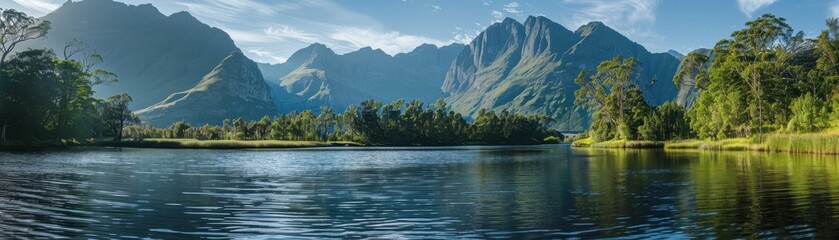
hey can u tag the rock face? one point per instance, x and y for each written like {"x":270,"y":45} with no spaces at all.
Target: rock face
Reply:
{"x":530,"y":68}
{"x":235,"y":88}
{"x":688,"y":93}
{"x":154,"y":55}
{"x":316,"y":76}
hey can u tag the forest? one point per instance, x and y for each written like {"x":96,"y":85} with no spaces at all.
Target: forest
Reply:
{"x":47,"y":98}
{"x":372,"y":123}
{"x":765,"y":79}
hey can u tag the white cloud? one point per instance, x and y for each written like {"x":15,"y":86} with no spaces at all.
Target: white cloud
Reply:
{"x":435,"y":8}
{"x":487,"y":2}
{"x":834,"y":10}
{"x":465,"y":36}
{"x":286,"y":33}
{"x":512,"y":8}
{"x":37,"y":6}
{"x":392,"y":42}
{"x":497,"y":16}
{"x":633,"y":18}
{"x":266,"y":56}
{"x":749,"y":7}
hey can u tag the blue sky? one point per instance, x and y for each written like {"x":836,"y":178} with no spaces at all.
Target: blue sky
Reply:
{"x":271,"y":30}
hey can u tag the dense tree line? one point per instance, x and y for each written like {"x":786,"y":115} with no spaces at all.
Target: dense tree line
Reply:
{"x":765,"y":78}
{"x":371,"y":122}
{"x":47,"y":99}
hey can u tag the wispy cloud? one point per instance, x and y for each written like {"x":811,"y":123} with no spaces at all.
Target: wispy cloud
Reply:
{"x":265,"y":54}
{"x":749,"y":7}
{"x":465,"y":36}
{"x":497,"y":16}
{"x":270,"y":31}
{"x":435,"y":8}
{"x":391,"y":42}
{"x":38,"y":6}
{"x":287,"y":33}
{"x":512,"y":7}
{"x":834,"y":9}
{"x":633,"y":18}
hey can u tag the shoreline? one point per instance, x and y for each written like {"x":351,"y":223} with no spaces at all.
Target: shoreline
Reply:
{"x":811,"y":143}
{"x":159,"y":143}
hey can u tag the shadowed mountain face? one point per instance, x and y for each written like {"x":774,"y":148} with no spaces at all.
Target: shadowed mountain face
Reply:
{"x":235,"y":88}
{"x":530,"y":68}
{"x":688,"y":92}
{"x":316,"y":76}
{"x":153,"y":55}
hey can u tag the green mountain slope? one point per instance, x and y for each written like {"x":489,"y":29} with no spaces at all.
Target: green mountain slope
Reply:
{"x":235,"y":88}
{"x":530,"y":68}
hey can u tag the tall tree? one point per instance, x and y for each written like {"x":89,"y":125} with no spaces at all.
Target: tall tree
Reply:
{"x":15,"y":28}
{"x":119,"y":116}
{"x":613,"y":93}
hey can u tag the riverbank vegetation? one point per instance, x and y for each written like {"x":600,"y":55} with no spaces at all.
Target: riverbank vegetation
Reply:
{"x":224,"y":144}
{"x":765,"y":88}
{"x":370,"y":123}
{"x":47,"y":99}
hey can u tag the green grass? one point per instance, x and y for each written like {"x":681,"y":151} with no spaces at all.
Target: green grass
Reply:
{"x":628,"y":144}
{"x":226,"y":144}
{"x":814,"y":143}
{"x":583,"y":142}
{"x":733,"y":144}
{"x":552,"y":140}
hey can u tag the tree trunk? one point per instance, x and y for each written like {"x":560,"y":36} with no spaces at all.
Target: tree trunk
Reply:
{"x":4,"y":132}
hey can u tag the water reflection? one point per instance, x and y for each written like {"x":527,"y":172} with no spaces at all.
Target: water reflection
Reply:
{"x":462,"y":192}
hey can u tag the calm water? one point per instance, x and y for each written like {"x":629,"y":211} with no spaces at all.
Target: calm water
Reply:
{"x":464,"y":192}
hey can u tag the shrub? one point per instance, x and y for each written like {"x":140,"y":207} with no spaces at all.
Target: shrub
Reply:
{"x":809,"y":114}
{"x":666,"y":122}
{"x":552,"y":140}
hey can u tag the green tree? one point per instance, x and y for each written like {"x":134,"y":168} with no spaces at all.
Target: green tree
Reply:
{"x":615,"y":97}
{"x":809,"y":114}
{"x":119,"y":115}
{"x":29,"y":92}
{"x":666,"y":122}
{"x":180,"y":129}
{"x":15,"y":28}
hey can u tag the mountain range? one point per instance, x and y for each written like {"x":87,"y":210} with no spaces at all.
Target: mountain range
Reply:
{"x":530,"y":68}
{"x":177,"y":68}
{"x":316,"y":76}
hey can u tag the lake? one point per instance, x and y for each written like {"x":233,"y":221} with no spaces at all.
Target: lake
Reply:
{"x":519,"y":192}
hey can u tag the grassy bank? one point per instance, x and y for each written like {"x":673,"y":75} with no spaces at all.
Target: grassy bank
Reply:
{"x":225,"y":144}
{"x":628,"y":144}
{"x":733,"y":144}
{"x":813,"y":143}
{"x":816,"y":143}
{"x":589,"y":142}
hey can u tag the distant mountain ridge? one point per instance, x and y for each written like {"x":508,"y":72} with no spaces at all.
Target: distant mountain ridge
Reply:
{"x":530,"y":68}
{"x":315,"y":76}
{"x":173,"y":65}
